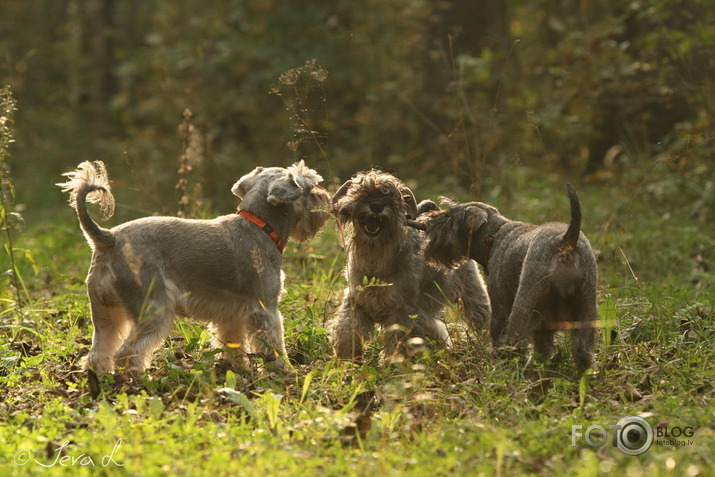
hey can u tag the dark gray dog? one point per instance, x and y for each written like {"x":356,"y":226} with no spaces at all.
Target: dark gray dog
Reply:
{"x":542,"y":278}
{"x":389,"y":283}
{"x":225,"y":271}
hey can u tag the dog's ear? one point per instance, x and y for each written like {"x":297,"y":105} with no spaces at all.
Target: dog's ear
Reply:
{"x":339,"y":194}
{"x":245,"y":183}
{"x":305,"y":177}
{"x":284,"y":191}
{"x":410,"y":202}
{"x":475,"y":218}
{"x":296,"y":181}
{"x":426,"y":206}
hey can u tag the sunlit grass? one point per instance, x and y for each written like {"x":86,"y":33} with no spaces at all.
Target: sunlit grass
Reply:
{"x":448,"y":412}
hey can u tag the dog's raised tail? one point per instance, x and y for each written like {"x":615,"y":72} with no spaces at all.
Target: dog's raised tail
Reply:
{"x":90,"y":183}
{"x":572,"y":233}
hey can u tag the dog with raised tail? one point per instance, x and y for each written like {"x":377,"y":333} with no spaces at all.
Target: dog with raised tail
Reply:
{"x":225,"y":272}
{"x":541,"y":278}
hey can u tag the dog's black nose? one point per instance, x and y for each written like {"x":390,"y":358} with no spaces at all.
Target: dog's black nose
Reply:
{"x":376,"y":207}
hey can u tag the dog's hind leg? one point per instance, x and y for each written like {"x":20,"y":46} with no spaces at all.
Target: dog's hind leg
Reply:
{"x":544,"y":343}
{"x":583,"y":343}
{"x":152,"y":327}
{"x":111,"y":327}
{"x":583,"y":340}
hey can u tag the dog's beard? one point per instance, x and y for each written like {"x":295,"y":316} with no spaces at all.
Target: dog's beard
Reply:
{"x":361,"y":227}
{"x":310,"y":215}
{"x":372,"y":227}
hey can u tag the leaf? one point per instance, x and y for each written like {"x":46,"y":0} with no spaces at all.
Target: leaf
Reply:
{"x":30,"y":258}
{"x":306,"y":385}
{"x":156,"y":407}
{"x":583,"y":390}
{"x":607,"y":318}
{"x":240,"y":399}
{"x":230,"y":379}
{"x":272,"y":404}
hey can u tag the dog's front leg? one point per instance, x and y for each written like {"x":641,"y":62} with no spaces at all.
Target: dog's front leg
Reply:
{"x":267,"y":336}
{"x":517,"y":329}
{"x":350,"y":328}
{"x":475,"y":301}
{"x":434,"y":330}
{"x":497,"y":324}
{"x":399,"y":326}
{"x":230,"y":335}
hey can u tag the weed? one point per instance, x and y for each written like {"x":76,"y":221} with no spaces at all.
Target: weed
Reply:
{"x":302,"y":92}
{"x":190,"y":195}
{"x":9,"y":219}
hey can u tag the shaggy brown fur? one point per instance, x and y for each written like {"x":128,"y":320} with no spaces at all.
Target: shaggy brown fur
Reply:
{"x":389,"y":283}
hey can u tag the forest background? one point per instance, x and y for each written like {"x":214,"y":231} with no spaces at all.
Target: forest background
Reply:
{"x":457,"y":95}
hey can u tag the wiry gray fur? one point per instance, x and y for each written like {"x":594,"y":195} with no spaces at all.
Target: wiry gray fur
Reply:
{"x":225,"y":271}
{"x":542,"y":278}
{"x":389,"y":283}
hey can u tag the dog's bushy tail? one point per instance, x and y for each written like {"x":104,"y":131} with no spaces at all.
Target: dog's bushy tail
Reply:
{"x":572,"y":233}
{"x":90,"y":183}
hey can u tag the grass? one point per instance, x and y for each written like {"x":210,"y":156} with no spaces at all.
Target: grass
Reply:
{"x":449,"y":412}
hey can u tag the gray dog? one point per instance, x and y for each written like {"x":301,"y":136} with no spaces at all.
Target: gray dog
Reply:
{"x":225,"y":271}
{"x":389,"y":282}
{"x":542,"y":278}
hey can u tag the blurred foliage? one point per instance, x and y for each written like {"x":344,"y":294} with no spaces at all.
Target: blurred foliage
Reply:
{"x":459,"y":94}
{"x":10,"y":279}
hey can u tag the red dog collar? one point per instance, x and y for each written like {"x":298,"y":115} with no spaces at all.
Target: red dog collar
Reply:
{"x":489,"y":243}
{"x":263,"y":226}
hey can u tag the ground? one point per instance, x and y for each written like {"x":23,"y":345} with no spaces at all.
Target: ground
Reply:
{"x":450,"y":412}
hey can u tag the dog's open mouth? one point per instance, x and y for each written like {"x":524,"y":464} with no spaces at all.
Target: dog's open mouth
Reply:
{"x":371,"y":225}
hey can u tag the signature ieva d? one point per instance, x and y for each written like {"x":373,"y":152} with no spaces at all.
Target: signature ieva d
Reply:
{"x":24,"y":456}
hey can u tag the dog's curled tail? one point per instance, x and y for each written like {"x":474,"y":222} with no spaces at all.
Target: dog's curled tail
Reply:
{"x":90,"y":183}
{"x":572,"y":233}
